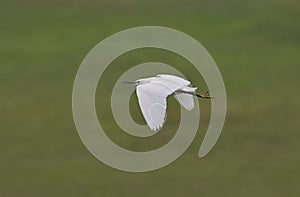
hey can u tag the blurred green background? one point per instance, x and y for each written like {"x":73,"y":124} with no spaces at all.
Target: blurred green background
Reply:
{"x":256,"y":45}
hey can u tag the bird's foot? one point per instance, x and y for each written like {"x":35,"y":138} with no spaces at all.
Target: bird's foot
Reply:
{"x":206,"y":95}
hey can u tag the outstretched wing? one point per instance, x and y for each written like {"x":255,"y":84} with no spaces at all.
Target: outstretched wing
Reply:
{"x":152,"y":100}
{"x":153,"y":104}
{"x":186,"y":100}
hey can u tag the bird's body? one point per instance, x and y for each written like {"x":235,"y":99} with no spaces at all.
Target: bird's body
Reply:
{"x":152,"y":96}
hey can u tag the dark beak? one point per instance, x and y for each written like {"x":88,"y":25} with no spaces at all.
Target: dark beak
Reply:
{"x":129,"y":82}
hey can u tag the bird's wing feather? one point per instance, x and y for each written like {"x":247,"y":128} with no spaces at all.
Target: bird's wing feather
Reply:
{"x":152,"y":100}
{"x":174,"y":79}
{"x":185,"y":100}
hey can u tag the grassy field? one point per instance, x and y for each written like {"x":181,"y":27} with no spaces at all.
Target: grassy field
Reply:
{"x":256,"y":45}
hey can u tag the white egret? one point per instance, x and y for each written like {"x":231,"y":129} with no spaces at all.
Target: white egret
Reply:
{"x":152,"y":96}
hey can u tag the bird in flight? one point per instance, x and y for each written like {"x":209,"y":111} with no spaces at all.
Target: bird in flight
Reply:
{"x":152,"y":96}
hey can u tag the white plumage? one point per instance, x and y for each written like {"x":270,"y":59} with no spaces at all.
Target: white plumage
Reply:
{"x":152,"y":96}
